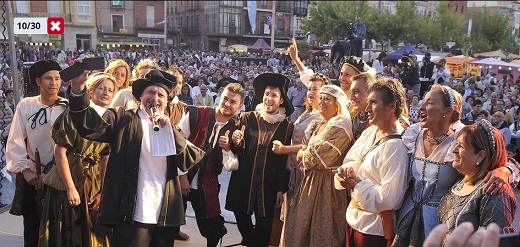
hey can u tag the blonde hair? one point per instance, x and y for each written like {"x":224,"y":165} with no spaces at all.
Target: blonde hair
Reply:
{"x":116,"y":63}
{"x":143,"y":64}
{"x":94,"y":80}
{"x":457,"y":108}
{"x":179,"y":74}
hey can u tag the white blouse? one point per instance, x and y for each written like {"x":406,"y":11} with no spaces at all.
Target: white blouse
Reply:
{"x":26,"y":124}
{"x":384,"y":180}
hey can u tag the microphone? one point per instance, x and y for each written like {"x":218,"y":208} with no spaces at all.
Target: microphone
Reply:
{"x":153,"y":109}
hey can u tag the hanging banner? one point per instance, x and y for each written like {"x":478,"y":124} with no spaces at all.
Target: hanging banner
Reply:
{"x":251,"y":12}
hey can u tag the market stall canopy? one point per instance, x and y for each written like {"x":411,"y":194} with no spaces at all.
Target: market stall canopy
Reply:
{"x":491,"y":61}
{"x":259,"y":46}
{"x":457,"y":60}
{"x":237,"y":48}
{"x":497,"y":53}
{"x":399,"y":53}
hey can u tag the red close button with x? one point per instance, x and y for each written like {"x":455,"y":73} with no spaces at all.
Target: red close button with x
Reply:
{"x":55,"y":25}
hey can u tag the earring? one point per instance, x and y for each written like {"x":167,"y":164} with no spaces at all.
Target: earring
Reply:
{"x":478,"y":163}
{"x":443,"y":115}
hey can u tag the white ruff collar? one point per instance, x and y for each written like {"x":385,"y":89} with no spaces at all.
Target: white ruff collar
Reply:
{"x":271,"y":118}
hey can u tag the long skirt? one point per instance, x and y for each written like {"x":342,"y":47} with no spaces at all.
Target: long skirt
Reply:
{"x":64,"y":225}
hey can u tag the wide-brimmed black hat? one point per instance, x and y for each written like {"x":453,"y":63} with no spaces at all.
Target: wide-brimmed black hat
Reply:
{"x":41,"y":67}
{"x":153,"y":78}
{"x":275,"y":80}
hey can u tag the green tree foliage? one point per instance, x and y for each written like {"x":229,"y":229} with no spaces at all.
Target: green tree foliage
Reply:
{"x":330,"y":19}
{"x":303,"y":45}
{"x":491,"y":31}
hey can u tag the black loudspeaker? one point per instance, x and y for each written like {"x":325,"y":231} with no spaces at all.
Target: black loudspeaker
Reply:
{"x":29,"y":89}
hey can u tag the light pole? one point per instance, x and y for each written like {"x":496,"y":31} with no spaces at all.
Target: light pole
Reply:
{"x":273,"y":19}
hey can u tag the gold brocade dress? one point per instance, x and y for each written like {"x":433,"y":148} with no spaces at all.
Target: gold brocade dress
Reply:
{"x":61,"y":224}
{"x":317,"y":217}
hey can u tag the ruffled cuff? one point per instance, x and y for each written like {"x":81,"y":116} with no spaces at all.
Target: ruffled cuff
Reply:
{"x":305,"y":76}
{"x":410,"y":137}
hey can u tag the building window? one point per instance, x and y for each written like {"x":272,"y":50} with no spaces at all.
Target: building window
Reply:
{"x":117,"y":23}
{"x":150,"y":16}
{"x":462,"y":9}
{"x":456,"y":8}
{"x":83,"y":41}
{"x":153,"y":43}
{"x":84,"y":11}
{"x":282,"y":6}
{"x":230,"y":22}
{"x":118,"y":3}
{"x":55,"y":8}
{"x":280,"y":25}
{"x":22,"y":7}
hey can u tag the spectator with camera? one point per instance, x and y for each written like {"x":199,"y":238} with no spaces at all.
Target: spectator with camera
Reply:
{"x":426,"y":73}
{"x":408,"y":75}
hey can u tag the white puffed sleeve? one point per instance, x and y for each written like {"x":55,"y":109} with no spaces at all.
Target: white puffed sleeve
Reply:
{"x":389,"y":165}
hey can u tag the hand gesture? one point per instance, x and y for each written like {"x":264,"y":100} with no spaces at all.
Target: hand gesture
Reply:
{"x":278,"y":147}
{"x":346,"y":176}
{"x":293,"y":50}
{"x":464,"y":235}
{"x":496,"y":180}
{"x":185,"y":185}
{"x":279,"y":199}
{"x":73,"y":196}
{"x":223,"y":141}
{"x":238,"y":135}
{"x":32,"y":178}
{"x":93,"y":205}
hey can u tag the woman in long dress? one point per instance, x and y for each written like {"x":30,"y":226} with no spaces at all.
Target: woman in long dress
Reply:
{"x":74,"y":184}
{"x":317,"y":216}
{"x":314,"y":84}
{"x":300,"y":125}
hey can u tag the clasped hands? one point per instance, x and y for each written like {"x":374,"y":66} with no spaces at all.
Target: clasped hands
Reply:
{"x":346,"y":177}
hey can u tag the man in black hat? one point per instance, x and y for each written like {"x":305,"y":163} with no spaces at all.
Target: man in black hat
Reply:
{"x":259,"y":176}
{"x":144,"y":205}
{"x":30,"y":130}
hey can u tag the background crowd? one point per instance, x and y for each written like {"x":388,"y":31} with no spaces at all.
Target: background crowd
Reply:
{"x":487,"y":104}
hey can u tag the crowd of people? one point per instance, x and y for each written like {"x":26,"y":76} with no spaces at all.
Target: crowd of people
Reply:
{"x":379,"y":159}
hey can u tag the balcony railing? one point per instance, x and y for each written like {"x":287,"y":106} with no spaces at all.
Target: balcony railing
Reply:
{"x":108,"y":29}
{"x":190,"y":29}
{"x":66,"y":16}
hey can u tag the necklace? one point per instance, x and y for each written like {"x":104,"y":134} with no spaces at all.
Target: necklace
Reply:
{"x":437,"y":140}
{"x":459,"y":186}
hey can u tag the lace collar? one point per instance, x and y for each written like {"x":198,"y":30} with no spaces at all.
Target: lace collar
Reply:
{"x":271,"y":118}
